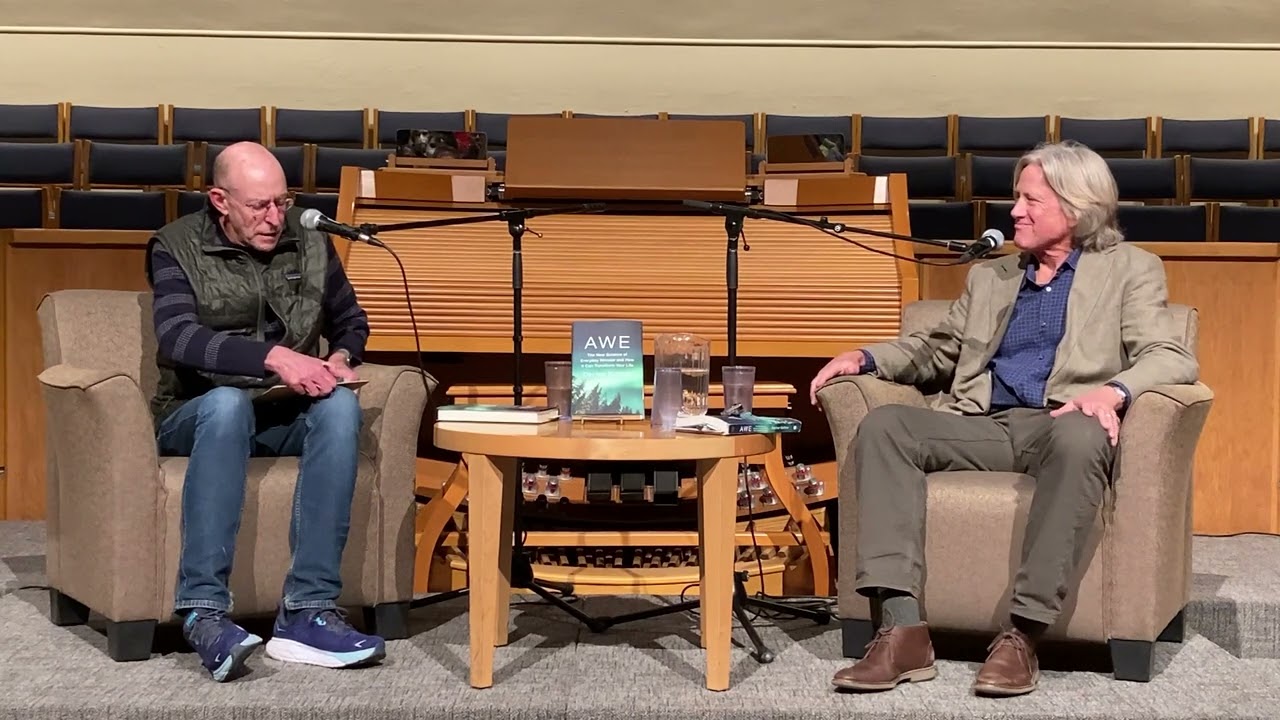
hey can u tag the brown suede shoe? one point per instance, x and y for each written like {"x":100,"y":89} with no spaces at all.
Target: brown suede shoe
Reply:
{"x":1011,"y":668}
{"x":896,"y":654}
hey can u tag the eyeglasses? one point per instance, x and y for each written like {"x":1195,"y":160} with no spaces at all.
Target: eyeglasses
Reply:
{"x":260,"y":207}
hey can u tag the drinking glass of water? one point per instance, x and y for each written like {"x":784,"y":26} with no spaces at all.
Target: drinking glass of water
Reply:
{"x":559,"y":379}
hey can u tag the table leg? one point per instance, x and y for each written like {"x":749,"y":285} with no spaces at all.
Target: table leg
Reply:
{"x":490,"y":510}
{"x":717,"y":494}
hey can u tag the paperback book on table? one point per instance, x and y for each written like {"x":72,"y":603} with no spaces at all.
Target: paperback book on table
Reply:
{"x":608,"y":369}
{"x":497,"y":413}
{"x":745,"y":424}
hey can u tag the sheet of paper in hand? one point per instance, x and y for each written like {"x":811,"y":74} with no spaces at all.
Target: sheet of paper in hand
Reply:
{"x":280,"y":392}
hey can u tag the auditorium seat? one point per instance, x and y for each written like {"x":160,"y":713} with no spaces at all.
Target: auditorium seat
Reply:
{"x":342,"y":128}
{"x":1232,"y":180}
{"x":996,"y":214}
{"x":1204,"y":138}
{"x":1146,"y":179}
{"x":190,"y":201}
{"x":999,"y":135}
{"x":326,"y":203}
{"x":37,"y":163}
{"x":292,"y":158}
{"x":150,"y":166}
{"x":990,"y":177}
{"x":942,"y":220}
{"x":216,"y":125}
{"x":932,"y":178}
{"x":1269,"y":138}
{"x":1241,"y":223}
{"x":116,"y":124}
{"x":112,"y":209}
{"x":329,"y":162}
{"x":387,"y":122}
{"x":901,"y":135}
{"x":30,"y":123}
{"x":1164,"y":223}
{"x":1127,"y":137}
{"x":22,"y":207}
{"x":778,"y":125}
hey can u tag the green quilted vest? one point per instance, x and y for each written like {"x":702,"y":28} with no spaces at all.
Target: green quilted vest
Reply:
{"x":235,"y":290}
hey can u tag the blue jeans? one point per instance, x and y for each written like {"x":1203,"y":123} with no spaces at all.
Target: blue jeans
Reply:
{"x":219,"y":431}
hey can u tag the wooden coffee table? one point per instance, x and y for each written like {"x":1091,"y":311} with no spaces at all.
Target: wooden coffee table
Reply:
{"x":490,"y":451}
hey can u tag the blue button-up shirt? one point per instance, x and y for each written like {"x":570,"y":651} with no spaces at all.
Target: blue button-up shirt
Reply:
{"x":1021,"y":366}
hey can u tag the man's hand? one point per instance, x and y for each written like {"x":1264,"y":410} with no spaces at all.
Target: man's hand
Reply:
{"x":303,"y":374}
{"x":849,"y":363}
{"x":1101,"y":403}
{"x":337,"y":365}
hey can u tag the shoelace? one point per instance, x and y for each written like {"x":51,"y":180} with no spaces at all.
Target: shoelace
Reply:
{"x":205,"y":628}
{"x":1011,"y":637}
{"x":332,"y":619}
{"x":881,"y":638}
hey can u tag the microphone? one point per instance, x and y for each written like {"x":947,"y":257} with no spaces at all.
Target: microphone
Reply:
{"x":990,"y":241}
{"x":313,"y":219}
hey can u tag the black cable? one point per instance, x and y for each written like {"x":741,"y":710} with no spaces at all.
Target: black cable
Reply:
{"x":413,"y":321}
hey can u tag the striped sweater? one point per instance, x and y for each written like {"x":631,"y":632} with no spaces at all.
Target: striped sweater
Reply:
{"x":183,"y":340}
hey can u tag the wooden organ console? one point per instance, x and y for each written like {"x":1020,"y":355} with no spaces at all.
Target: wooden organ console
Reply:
{"x":803,"y":296}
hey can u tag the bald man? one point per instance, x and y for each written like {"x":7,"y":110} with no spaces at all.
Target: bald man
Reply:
{"x":243,"y":296}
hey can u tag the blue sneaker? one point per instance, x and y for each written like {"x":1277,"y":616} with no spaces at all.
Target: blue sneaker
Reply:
{"x":221,"y":644}
{"x":322,"y":637}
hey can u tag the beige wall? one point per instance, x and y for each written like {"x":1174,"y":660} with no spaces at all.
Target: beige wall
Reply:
{"x":988,"y":20}
{"x":1067,"y":57}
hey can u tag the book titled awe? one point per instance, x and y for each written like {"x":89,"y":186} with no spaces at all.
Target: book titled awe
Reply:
{"x":608,"y":368}
{"x":497,"y":413}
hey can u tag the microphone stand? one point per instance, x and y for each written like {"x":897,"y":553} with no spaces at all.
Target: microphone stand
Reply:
{"x":521,"y":567}
{"x":733,"y":229}
{"x":734,"y":217}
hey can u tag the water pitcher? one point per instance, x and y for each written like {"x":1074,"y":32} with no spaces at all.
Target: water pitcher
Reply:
{"x":692,"y":355}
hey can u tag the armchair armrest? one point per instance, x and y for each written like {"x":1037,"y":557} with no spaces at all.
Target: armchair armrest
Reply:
{"x":393,"y":403}
{"x":847,"y":399}
{"x":103,"y":489}
{"x":1149,"y":568}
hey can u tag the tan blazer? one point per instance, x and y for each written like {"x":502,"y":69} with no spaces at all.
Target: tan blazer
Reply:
{"x":1118,"y":328}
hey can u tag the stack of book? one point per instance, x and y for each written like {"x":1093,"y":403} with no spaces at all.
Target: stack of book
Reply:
{"x":529,"y":414}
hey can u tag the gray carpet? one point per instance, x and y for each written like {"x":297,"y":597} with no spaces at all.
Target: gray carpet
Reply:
{"x":1229,"y":667}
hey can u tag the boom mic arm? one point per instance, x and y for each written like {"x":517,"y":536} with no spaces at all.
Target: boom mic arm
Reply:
{"x":969,"y":250}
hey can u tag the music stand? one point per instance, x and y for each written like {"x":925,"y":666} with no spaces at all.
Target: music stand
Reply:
{"x":522,"y":575}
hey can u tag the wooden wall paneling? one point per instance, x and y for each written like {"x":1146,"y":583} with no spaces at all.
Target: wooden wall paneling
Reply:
{"x":801,"y":293}
{"x":37,"y":262}
{"x":1236,"y":288}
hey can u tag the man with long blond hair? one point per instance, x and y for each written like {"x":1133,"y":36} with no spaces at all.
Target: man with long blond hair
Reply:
{"x":1044,"y":350}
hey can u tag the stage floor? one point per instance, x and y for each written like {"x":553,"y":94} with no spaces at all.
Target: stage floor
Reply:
{"x":1229,"y":666}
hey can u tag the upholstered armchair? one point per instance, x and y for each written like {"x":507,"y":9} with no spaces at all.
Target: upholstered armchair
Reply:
{"x":1135,"y":579}
{"x":114,"y":505}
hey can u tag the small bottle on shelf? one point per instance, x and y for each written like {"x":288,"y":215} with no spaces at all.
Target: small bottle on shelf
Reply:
{"x":801,"y":476}
{"x":555,"y":483}
{"x":542,"y":477}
